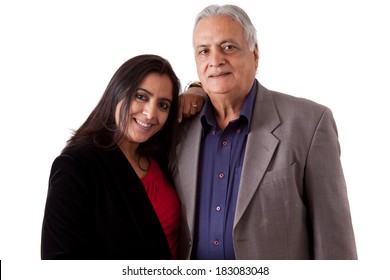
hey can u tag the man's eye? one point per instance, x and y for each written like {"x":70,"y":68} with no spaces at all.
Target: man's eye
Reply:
{"x":228,"y":47}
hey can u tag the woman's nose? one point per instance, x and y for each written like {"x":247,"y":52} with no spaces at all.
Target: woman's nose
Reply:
{"x":149,"y":111}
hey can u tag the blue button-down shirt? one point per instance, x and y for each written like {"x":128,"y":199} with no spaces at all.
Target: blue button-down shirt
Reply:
{"x":221,"y":158}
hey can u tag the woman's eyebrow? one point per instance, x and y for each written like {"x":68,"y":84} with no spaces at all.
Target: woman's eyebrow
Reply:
{"x":151,"y":94}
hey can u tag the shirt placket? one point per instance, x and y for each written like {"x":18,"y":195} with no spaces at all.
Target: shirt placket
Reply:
{"x":219,"y":196}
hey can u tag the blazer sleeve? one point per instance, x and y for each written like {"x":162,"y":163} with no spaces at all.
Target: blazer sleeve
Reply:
{"x":66,"y":218}
{"x":326,"y":191}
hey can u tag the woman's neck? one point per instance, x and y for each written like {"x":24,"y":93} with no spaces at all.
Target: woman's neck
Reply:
{"x":139,"y":163}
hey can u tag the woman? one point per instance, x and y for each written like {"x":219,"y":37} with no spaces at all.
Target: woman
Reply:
{"x":108,"y":197}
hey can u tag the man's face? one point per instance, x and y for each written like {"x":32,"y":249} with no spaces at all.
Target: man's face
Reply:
{"x":224,"y":62}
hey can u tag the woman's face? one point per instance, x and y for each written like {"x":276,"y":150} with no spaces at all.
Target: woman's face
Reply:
{"x":149,"y":108}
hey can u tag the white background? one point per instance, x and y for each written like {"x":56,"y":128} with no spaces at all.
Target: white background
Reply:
{"x":56,"y":58}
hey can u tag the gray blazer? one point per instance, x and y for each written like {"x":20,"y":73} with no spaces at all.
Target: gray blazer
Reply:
{"x":292,"y":200}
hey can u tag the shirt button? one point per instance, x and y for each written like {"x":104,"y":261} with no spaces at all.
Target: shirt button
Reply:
{"x":239,"y":131}
{"x":218,"y":208}
{"x":216,"y":242}
{"x":221,"y":175}
{"x":224,"y":143}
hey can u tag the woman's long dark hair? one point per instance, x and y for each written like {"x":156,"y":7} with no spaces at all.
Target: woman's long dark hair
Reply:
{"x":100,"y":128}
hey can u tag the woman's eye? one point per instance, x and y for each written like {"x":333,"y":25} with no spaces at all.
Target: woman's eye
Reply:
{"x":141,"y":96}
{"x":164,"y":106}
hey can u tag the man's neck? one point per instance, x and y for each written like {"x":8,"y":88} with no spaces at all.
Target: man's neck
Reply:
{"x":227,"y":109}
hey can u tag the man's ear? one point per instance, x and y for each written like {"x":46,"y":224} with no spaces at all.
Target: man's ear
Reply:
{"x":256,"y":55}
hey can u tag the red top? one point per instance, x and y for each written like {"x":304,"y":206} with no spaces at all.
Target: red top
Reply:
{"x":165,"y":202}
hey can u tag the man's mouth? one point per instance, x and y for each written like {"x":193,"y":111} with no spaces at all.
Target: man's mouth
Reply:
{"x":216,"y":75}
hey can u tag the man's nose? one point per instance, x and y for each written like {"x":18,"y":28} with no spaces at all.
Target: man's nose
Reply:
{"x":217,"y":59}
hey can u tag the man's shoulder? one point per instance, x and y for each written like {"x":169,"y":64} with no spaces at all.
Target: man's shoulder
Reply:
{"x":293,"y":100}
{"x":188,"y":124}
{"x":291,"y":104}
{"x":288,"y":108}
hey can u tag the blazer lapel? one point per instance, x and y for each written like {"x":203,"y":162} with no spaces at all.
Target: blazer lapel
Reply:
{"x":140,"y":209}
{"x":188,"y":150}
{"x":261,"y":145}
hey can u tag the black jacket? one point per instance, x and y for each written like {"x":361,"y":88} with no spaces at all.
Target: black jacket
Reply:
{"x":97,"y":208}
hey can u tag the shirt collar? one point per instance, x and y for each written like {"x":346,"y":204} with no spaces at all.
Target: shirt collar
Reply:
{"x":207,"y":114}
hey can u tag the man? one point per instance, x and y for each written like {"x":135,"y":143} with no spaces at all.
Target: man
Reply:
{"x":258,"y":172}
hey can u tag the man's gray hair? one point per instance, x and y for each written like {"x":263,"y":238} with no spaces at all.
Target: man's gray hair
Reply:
{"x":238,"y":14}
